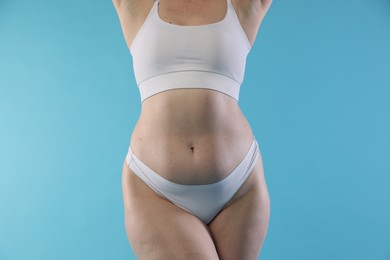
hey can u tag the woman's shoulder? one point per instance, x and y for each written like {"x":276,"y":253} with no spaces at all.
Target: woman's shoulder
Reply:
{"x":247,"y":6}
{"x":251,"y":14}
{"x":251,"y":10}
{"x":132,"y":14}
{"x":132,"y":7}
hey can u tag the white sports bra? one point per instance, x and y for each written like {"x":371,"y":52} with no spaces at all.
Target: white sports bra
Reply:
{"x":168,"y":56}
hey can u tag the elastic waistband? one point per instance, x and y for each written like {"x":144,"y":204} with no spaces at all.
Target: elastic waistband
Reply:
{"x":251,"y":155}
{"x":189,"y":79}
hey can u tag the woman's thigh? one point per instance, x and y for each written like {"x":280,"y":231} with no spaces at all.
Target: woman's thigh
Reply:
{"x":158,"y":229}
{"x":239,"y":230}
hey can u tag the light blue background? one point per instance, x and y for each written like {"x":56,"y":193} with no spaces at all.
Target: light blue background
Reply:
{"x":316,"y":93}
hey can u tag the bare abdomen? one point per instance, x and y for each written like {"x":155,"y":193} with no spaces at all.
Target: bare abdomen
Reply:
{"x":191,"y":136}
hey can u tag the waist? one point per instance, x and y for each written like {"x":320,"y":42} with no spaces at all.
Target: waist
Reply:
{"x":191,"y":112}
{"x":198,"y":131}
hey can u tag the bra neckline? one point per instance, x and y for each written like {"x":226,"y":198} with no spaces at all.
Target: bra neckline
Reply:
{"x":192,"y":26}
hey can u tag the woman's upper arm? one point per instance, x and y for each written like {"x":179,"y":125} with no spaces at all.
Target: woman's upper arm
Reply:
{"x":116,"y":3}
{"x":266,"y":4}
{"x":127,"y":6}
{"x":129,"y":13}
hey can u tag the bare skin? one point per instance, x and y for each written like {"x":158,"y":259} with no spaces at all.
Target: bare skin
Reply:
{"x":193,"y":136}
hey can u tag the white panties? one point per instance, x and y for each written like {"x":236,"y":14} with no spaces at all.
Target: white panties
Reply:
{"x":204,"y":201}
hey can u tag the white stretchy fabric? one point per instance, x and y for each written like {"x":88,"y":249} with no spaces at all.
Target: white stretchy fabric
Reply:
{"x":204,"y":201}
{"x":168,"y":56}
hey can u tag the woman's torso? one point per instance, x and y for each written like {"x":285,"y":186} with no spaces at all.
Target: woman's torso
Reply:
{"x":190,"y":136}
